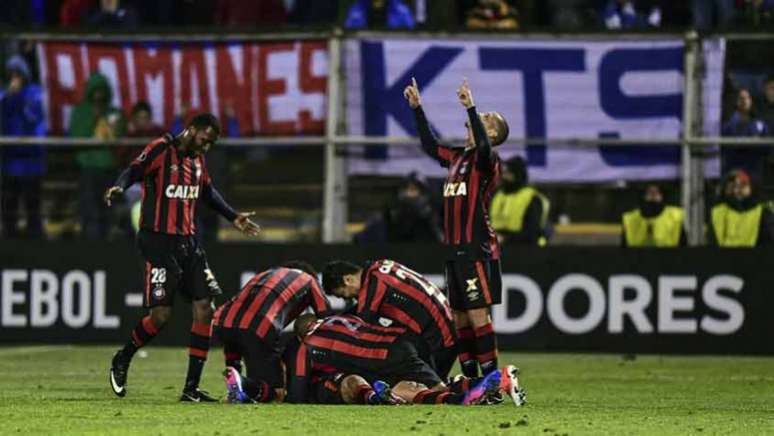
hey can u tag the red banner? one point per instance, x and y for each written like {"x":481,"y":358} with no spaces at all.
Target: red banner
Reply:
{"x":274,"y":88}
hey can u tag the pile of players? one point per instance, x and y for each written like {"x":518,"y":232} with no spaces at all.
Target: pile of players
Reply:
{"x":395,"y":343}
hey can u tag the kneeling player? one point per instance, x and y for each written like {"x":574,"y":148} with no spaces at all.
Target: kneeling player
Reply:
{"x":349,"y":344}
{"x":249,"y":325}
{"x":387,"y":289}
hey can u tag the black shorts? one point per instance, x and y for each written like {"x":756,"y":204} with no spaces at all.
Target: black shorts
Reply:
{"x":404,"y":364}
{"x":327,"y":389}
{"x":262,"y":360}
{"x":473,"y":284}
{"x":174,"y":264}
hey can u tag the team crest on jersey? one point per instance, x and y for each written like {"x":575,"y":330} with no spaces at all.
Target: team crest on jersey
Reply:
{"x":385,"y":322}
{"x":455,"y":189}
{"x":159,"y":293}
{"x":182,"y":192}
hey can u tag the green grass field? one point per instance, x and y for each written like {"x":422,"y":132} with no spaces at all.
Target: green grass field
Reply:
{"x":64,"y":390}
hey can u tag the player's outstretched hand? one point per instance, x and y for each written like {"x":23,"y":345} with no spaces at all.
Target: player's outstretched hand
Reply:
{"x":246,"y":225}
{"x":112,"y":192}
{"x":464,"y":94}
{"x":412,"y":94}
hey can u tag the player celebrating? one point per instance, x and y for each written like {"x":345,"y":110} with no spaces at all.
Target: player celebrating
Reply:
{"x":390,"y":290}
{"x":249,"y":325}
{"x":348,"y":344}
{"x":473,"y":266}
{"x":174,"y":175}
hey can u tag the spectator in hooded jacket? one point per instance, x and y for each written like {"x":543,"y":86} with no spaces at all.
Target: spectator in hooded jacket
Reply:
{"x":95,"y":117}
{"x":21,"y":114}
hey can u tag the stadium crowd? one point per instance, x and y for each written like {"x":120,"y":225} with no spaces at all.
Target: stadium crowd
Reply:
{"x":403,"y":14}
{"x":521,"y":214}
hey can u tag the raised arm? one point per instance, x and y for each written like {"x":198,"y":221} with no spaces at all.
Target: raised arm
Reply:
{"x":428,"y":139}
{"x":483,"y":146}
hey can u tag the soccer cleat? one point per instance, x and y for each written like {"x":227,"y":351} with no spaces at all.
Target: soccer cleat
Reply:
{"x":196,"y":395}
{"x":119,"y":368}
{"x":382,"y":394}
{"x":236,"y":395}
{"x":479,"y":393}
{"x":509,"y":384}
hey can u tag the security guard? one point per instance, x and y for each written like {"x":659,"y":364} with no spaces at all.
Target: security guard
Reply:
{"x":740,"y":220}
{"x":519,"y":211}
{"x":653,"y":223}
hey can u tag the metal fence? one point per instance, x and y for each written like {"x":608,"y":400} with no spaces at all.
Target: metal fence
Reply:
{"x":335,"y":202}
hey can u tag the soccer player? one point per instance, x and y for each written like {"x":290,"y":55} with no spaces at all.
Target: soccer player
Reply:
{"x":472,"y":265}
{"x":250,"y":324}
{"x":390,"y":290}
{"x":347,"y":344}
{"x":174,"y":176}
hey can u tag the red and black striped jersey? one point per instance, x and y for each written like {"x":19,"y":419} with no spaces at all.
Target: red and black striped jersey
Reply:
{"x":172,"y":183}
{"x":342,"y":343}
{"x":467,"y":193}
{"x":270,"y":301}
{"x":391,"y":290}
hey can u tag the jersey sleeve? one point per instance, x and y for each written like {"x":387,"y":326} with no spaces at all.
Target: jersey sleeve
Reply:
{"x":298,"y":374}
{"x":429,"y":140}
{"x":485,"y":157}
{"x":371,"y":296}
{"x":150,"y":160}
{"x":318,"y":301}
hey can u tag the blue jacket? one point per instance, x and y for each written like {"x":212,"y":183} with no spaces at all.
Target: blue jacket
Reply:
{"x":21,"y":114}
{"x":399,"y":15}
{"x":735,"y":126}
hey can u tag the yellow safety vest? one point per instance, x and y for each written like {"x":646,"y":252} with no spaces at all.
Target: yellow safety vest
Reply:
{"x":734,"y":228}
{"x":508,"y":210}
{"x":659,"y":231}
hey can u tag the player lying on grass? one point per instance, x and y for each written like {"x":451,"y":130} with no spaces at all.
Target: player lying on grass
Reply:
{"x":388,"y":290}
{"x":250,"y":323}
{"x":347,"y":344}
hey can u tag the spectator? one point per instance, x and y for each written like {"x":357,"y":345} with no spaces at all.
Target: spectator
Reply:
{"x":765,"y":108}
{"x":394,"y":14}
{"x":567,"y":14}
{"x":631,"y":14}
{"x":112,"y":14}
{"x":24,"y":166}
{"x":757,"y":13}
{"x":75,"y":12}
{"x":713,"y":14}
{"x":250,"y":13}
{"x":519,"y":211}
{"x":410,"y":217}
{"x":94,"y":117}
{"x":653,"y":223}
{"x":23,"y":12}
{"x":492,"y":14}
{"x":739,"y":219}
{"x":743,"y":122}
{"x":141,"y":122}
{"x":311,"y":12}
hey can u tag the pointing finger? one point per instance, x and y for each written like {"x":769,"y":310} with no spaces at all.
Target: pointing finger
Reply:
{"x":414,"y":82}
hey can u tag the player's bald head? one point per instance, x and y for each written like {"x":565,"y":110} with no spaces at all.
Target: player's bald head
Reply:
{"x":497,"y":120}
{"x":301,"y":326}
